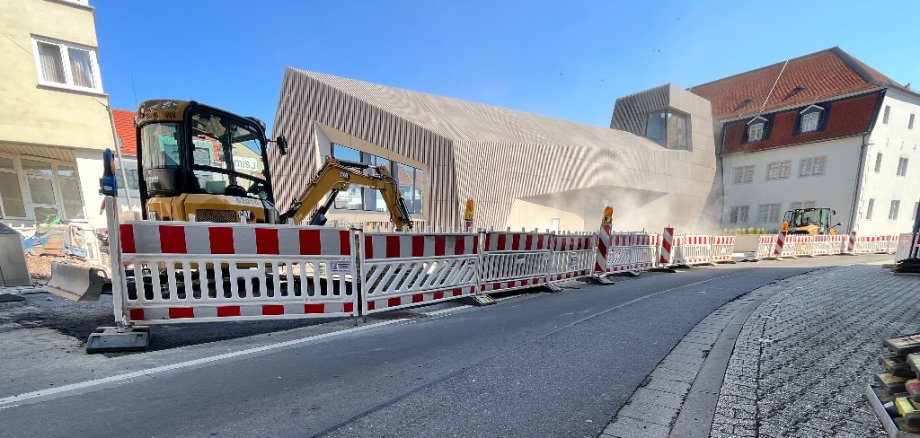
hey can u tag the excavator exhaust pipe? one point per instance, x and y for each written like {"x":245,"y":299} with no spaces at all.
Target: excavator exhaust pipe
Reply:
{"x":78,"y":283}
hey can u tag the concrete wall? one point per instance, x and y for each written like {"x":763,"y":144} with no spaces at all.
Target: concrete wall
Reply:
{"x":893,"y":140}
{"x":835,"y":189}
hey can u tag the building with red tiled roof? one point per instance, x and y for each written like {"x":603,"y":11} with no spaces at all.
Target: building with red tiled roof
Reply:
{"x":822,"y":130}
{"x":124,"y":127}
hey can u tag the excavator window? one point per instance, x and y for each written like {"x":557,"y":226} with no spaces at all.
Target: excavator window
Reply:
{"x":227,"y":157}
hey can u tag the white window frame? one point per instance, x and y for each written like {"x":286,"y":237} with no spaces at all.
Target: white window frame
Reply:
{"x":56,"y":180}
{"x":810,"y":122}
{"x":65,"y":60}
{"x":738,"y":215}
{"x":755,"y":131}
{"x":783,"y":170}
{"x":769,"y":213}
{"x":812,"y":166}
{"x":743,"y":174}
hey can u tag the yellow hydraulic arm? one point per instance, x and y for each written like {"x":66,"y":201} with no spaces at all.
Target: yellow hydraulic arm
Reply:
{"x":336,"y":176}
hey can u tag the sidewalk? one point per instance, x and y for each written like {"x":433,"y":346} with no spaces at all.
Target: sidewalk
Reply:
{"x":799,"y":366}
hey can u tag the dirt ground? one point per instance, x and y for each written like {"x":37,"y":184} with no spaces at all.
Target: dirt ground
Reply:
{"x":40,"y":266}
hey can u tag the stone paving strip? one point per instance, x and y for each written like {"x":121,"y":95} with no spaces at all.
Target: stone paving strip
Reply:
{"x":799,"y":365}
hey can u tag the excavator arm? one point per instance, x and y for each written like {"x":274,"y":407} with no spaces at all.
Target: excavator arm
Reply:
{"x":336,"y":176}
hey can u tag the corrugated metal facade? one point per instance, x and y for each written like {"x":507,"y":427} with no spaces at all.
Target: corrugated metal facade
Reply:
{"x":491,"y":154}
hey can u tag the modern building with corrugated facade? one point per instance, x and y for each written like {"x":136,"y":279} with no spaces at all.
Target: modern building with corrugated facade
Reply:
{"x":655,"y":164}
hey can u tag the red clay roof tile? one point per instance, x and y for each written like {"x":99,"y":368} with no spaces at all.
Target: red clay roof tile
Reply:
{"x":124,"y":127}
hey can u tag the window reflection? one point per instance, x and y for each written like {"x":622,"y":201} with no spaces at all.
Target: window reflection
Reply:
{"x":409,"y":179}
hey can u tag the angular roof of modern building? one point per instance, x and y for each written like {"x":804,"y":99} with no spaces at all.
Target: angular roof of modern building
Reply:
{"x":124,"y":127}
{"x":811,"y":78}
{"x":463,"y":120}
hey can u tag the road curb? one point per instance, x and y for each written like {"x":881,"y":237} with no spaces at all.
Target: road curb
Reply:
{"x":684,"y":388}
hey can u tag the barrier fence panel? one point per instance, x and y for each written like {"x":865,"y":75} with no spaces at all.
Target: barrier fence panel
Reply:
{"x":691,"y":249}
{"x":573,"y":256}
{"x":401,"y":269}
{"x":514,"y":260}
{"x":892,"y":243}
{"x":908,"y":247}
{"x":722,"y":248}
{"x":837,"y":244}
{"x":764,"y":246}
{"x":195,"y":272}
{"x":632,"y":251}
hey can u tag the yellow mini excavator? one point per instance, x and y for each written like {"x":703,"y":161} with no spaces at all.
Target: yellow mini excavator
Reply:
{"x":810,"y":221}
{"x":201,"y":162}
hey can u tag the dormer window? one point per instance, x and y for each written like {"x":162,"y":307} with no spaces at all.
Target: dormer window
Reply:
{"x":756,"y":128}
{"x":810,"y":119}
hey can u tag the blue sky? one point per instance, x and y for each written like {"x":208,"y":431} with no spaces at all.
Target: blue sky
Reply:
{"x":563,"y":59}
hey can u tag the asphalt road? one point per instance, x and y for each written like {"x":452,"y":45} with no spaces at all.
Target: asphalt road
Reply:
{"x":538,"y":365}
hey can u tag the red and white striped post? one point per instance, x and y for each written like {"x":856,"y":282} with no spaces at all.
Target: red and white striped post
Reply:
{"x":780,"y":241}
{"x":851,"y":244}
{"x":603,"y":241}
{"x":667,"y":240}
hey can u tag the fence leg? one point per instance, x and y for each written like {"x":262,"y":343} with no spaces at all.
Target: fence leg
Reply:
{"x":124,"y":336}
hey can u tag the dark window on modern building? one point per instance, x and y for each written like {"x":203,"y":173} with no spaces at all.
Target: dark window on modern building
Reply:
{"x":869,"y":209}
{"x":669,"y":129}
{"x":409,"y":179}
{"x":902,"y":166}
{"x":893,"y":210}
{"x":887,"y":113}
{"x":878,"y":162}
{"x":910,"y":122}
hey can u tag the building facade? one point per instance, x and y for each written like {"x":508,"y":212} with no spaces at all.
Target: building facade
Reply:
{"x":822,"y":130}
{"x":522,"y":170}
{"x":54,"y":121}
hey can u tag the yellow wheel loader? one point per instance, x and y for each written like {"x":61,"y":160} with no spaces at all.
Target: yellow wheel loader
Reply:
{"x":811,"y":221}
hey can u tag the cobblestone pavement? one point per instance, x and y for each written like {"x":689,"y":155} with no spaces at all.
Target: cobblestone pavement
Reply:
{"x":803,"y":357}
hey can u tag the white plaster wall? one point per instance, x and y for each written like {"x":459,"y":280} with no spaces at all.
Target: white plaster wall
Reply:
{"x":89,"y":169}
{"x":835,"y":189}
{"x":893,"y":140}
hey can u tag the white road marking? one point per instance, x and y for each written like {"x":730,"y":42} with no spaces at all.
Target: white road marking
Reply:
{"x":20,"y":399}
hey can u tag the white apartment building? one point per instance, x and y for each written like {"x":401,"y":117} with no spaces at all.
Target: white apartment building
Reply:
{"x":822,"y":130}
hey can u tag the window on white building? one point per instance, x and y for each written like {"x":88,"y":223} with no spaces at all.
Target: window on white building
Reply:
{"x":67,"y":66}
{"x":910,"y":122}
{"x":801,"y":204}
{"x":778,"y":170}
{"x":893,"y":210}
{"x":902,"y":166}
{"x":878,"y":162}
{"x":743,"y":174}
{"x":887,"y":113}
{"x":869,"y":208}
{"x":768,"y":213}
{"x":812,"y":166}
{"x":669,"y":129}
{"x":810,"y":122}
{"x":755,"y":131}
{"x":738,"y":215}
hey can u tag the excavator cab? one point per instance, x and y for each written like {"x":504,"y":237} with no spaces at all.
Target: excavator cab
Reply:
{"x":203,"y":162}
{"x":810,"y":221}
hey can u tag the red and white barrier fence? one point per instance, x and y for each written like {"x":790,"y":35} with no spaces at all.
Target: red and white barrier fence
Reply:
{"x":722,"y":248}
{"x":632,"y":251}
{"x":196,"y":272}
{"x":908,"y":247}
{"x":573,"y":256}
{"x":514,"y":260}
{"x":765,"y":244}
{"x":692,"y":249}
{"x":408,"y":269}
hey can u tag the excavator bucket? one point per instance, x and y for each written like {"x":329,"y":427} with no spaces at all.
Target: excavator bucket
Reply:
{"x":78,"y":283}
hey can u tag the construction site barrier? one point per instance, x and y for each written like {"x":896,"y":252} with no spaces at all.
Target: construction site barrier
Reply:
{"x":765,"y":245}
{"x":908,"y":247}
{"x":196,"y":272}
{"x":408,"y":269}
{"x":798,"y":245}
{"x":514,"y":260}
{"x":572,"y":256}
{"x":872,"y":244}
{"x":691,"y":249}
{"x":632,"y":251}
{"x":722,"y":248}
